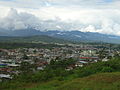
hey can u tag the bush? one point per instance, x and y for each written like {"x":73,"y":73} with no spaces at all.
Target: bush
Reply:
{"x":107,"y":69}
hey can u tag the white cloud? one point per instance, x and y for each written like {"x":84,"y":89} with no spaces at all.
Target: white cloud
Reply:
{"x":82,"y":3}
{"x":85,"y":15}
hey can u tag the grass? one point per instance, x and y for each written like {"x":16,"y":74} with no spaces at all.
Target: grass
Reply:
{"x":103,"y":81}
{"x":91,"y":77}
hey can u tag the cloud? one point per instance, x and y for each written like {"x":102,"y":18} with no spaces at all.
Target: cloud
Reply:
{"x":22,"y":20}
{"x":42,"y":3}
{"x":15,"y":20}
{"x":101,"y":16}
{"x":23,"y":3}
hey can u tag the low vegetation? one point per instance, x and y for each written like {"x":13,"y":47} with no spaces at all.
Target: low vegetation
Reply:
{"x":54,"y":76}
{"x":102,"y":81}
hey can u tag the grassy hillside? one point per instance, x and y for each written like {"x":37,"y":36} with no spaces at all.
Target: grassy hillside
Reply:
{"x":96,"y":76}
{"x":102,"y":81}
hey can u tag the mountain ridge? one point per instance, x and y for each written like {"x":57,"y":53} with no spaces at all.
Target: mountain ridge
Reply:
{"x":74,"y":36}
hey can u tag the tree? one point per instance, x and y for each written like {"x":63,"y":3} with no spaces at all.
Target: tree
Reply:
{"x":25,"y":67}
{"x":25,"y":56}
{"x":107,"y":69}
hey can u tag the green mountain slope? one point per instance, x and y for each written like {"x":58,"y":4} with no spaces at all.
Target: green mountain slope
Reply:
{"x":33,"y":39}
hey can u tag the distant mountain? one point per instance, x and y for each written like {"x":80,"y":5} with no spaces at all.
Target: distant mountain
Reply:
{"x":3,"y":33}
{"x":76,"y":36}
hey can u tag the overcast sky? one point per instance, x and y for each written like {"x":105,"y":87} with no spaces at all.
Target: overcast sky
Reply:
{"x":101,"y":16}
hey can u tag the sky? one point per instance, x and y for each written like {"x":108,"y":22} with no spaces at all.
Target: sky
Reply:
{"x":102,"y":16}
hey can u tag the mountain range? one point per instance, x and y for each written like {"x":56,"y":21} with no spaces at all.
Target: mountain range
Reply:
{"x":76,"y":36}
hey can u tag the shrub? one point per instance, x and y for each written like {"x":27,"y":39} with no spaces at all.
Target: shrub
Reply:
{"x":107,"y":69}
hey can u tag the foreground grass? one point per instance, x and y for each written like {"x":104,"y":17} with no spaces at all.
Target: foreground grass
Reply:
{"x":91,"y":77}
{"x":103,"y":81}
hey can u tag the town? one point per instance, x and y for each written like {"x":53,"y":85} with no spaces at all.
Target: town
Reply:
{"x":12,"y":59}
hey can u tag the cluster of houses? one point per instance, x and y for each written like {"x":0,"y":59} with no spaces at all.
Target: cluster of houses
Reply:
{"x":10,"y":59}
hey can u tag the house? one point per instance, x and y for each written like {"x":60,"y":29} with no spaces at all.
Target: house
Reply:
{"x":78,"y":64}
{"x":3,"y":65}
{"x":89,"y":59}
{"x":13,"y":65}
{"x":41,"y":65}
{"x":105,"y":59}
{"x":40,"y":68}
{"x":4,"y":77}
{"x":70,"y":67}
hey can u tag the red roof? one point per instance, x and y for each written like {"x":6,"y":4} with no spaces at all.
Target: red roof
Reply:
{"x":88,"y":57}
{"x":42,"y":63}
